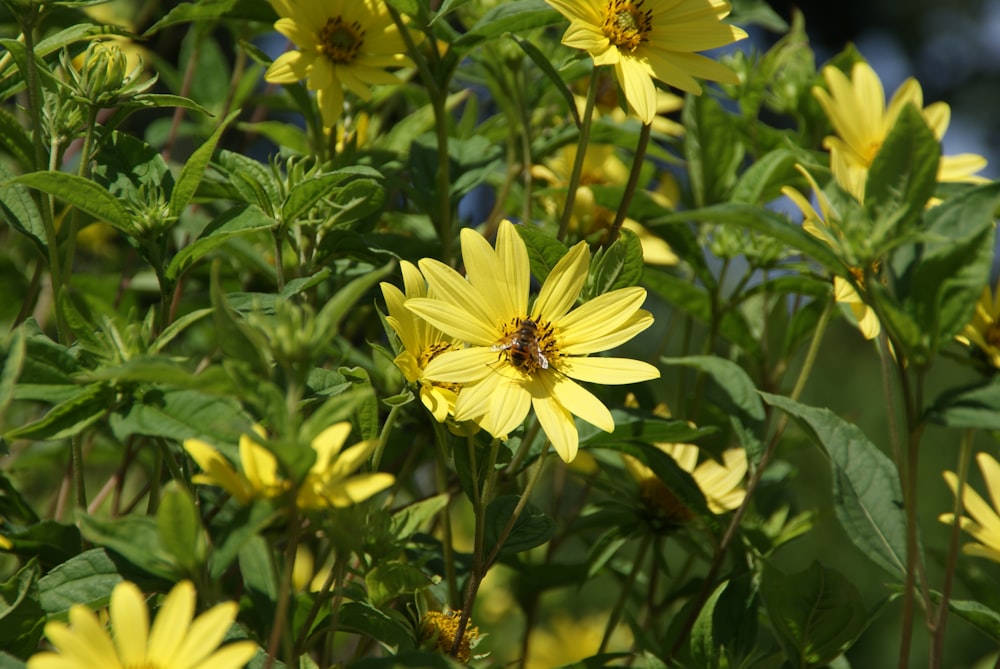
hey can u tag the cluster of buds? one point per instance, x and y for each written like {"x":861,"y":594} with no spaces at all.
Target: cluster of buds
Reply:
{"x":103,"y":78}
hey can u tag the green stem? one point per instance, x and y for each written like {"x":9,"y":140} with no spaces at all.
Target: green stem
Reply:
{"x":626,"y":590}
{"x":951,"y":562}
{"x":82,"y":171}
{"x":76,"y":446}
{"x":630,"y":185}
{"x":581,"y":154}
{"x":35,"y":102}
{"x":448,"y":549}
{"x":912,"y":401}
{"x":383,"y":436}
{"x":708,"y":585}
{"x":284,"y":590}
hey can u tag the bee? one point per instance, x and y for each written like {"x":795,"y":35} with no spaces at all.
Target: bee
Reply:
{"x":523,"y":349}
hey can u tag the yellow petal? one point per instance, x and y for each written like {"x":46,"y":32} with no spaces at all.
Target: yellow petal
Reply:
{"x":130,"y":622}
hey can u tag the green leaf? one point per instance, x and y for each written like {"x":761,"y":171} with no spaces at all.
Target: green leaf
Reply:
{"x":953,"y":265}
{"x":194,"y":168}
{"x":21,"y":617}
{"x":544,"y":251}
{"x":712,"y":147}
{"x":135,"y":538}
{"x":509,"y":17}
{"x":179,"y":528}
{"x":16,"y":141}
{"x":412,"y":518}
{"x":736,"y":384}
{"x":83,"y":194}
{"x":70,"y":416}
{"x":14,"y":353}
{"x":238,"y":530}
{"x":307,"y":193}
{"x":642,"y":426}
{"x":975,"y":407}
{"x":619,"y":266}
{"x":329,"y":317}
{"x":362,"y":618}
{"x":902,"y":177}
{"x":239,"y":220}
{"x":180,"y":415}
{"x":817,"y":613}
{"x":87,"y":578}
{"x":532,"y":528}
{"x":49,"y":541}
{"x":19,"y":210}
{"x":132,"y":170}
{"x":866,"y":489}
{"x":763,"y":180}
{"x":388,"y":580}
{"x":980,"y":616}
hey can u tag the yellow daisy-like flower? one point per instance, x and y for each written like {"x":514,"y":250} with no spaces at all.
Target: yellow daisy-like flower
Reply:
{"x":858,"y":113}
{"x":651,"y":39}
{"x":518,"y":358}
{"x":984,"y":525}
{"x":342,"y":44}
{"x":177,"y":639}
{"x":259,"y":478}
{"x":984,"y":330}
{"x":333,"y":480}
{"x":824,"y":225}
{"x":422,"y":342}
{"x":330,"y":482}
{"x":720,"y":483}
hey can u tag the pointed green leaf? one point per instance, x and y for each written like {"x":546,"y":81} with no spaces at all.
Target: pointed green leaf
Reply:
{"x":817,"y":613}
{"x":83,"y":194}
{"x":239,"y":220}
{"x":10,"y":370}
{"x":179,"y":527}
{"x":194,"y":168}
{"x":712,"y":147}
{"x":18,"y":209}
{"x":532,"y":528}
{"x":69,"y":417}
{"x":729,"y":377}
{"x":513,"y":17}
{"x":973,"y":407}
{"x":21,"y":617}
{"x":135,"y":538}
{"x":413,"y":518}
{"x":866,"y":488}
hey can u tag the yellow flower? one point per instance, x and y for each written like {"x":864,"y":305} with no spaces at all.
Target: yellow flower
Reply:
{"x":342,"y":43}
{"x":519,"y":358}
{"x":329,"y":482}
{"x":565,"y":641}
{"x":984,"y":526}
{"x":422,"y":342}
{"x":857,"y":111}
{"x":825,"y":225}
{"x":332,"y":481}
{"x":177,"y":639}
{"x":442,"y":627}
{"x":720,"y":483}
{"x":259,"y":478}
{"x":984,"y":330}
{"x":651,"y":39}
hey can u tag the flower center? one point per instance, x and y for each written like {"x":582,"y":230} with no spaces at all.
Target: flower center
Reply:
{"x":528,"y":345}
{"x":626,"y":24}
{"x":992,"y":335}
{"x":445,"y":626}
{"x":339,"y":41}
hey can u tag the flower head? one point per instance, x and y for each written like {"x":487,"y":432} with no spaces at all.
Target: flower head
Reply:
{"x":333,"y":480}
{"x":825,"y":225}
{"x":858,"y":113}
{"x":519,"y":358}
{"x":442,"y":627}
{"x":984,"y":525}
{"x":422,"y":342}
{"x":330,"y":482}
{"x":651,"y":39}
{"x":177,"y":639}
{"x":342,"y":44}
{"x":984,"y":330}
{"x":720,"y":483}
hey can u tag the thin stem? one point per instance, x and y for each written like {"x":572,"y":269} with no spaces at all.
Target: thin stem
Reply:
{"x":951,"y":562}
{"x":626,"y":590}
{"x":284,"y":589}
{"x":633,"y":181}
{"x":448,"y":550}
{"x":383,"y":436}
{"x":82,"y":171}
{"x":581,"y":154}
{"x":708,"y":584}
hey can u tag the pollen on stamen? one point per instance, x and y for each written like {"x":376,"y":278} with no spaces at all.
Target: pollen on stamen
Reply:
{"x":626,"y":25}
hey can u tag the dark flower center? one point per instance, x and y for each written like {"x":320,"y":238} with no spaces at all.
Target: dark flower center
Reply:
{"x":339,"y":41}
